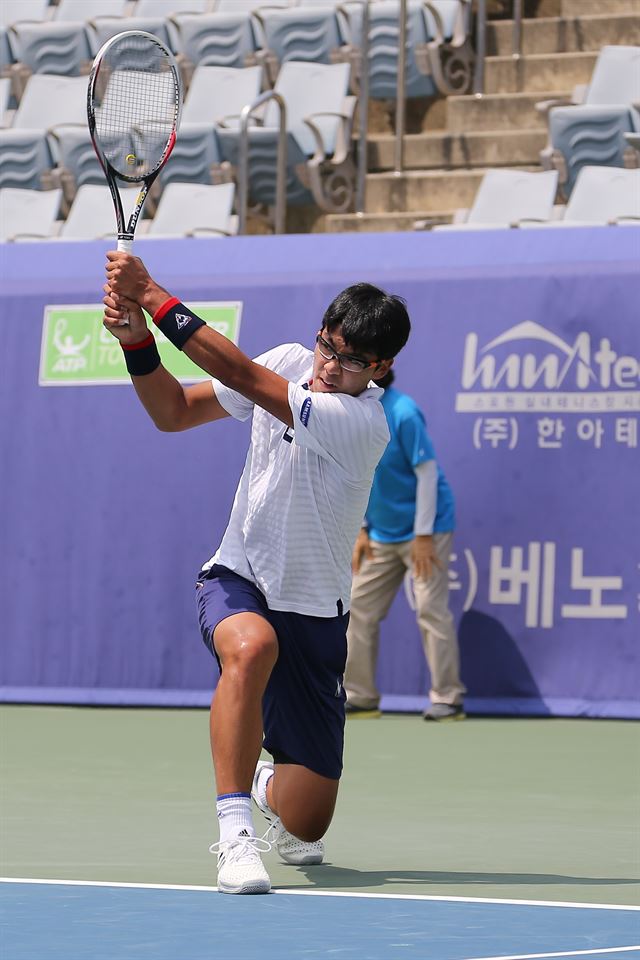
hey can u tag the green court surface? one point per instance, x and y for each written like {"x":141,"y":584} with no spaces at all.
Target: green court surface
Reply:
{"x":518,"y":809}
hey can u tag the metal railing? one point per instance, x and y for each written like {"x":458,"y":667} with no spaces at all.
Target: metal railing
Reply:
{"x":481,"y":40}
{"x":280,"y":211}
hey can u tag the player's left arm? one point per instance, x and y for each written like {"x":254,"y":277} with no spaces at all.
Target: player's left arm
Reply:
{"x":211,"y":351}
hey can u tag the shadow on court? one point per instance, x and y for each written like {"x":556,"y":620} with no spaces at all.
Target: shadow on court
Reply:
{"x":330,"y":877}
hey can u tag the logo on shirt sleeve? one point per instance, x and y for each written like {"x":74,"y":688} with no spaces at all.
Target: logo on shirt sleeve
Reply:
{"x":305,"y":411}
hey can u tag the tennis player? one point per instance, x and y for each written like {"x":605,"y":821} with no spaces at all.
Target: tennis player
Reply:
{"x":273,"y":600}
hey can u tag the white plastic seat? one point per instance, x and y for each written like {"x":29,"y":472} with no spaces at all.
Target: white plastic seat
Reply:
{"x":53,"y":47}
{"x":603,"y":195}
{"x":49,"y":100}
{"x":81,"y":10}
{"x":12,"y":11}
{"x":506,"y":198}
{"x":194,"y":209}
{"x":310,"y":34}
{"x":28,"y":214}
{"x":92,"y":216}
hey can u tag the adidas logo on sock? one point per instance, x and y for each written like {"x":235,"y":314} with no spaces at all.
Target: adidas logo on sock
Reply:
{"x":244,"y":833}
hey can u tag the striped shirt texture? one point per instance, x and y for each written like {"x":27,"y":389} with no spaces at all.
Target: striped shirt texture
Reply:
{"x":304,"y":490}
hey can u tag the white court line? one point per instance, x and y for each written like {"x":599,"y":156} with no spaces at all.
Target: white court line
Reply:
{"x":340,"y":893}
{"x":569,"y":953}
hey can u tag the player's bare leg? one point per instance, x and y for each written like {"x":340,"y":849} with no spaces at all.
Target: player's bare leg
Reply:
{"x":248,"y":649}
{"x":303,"y":800}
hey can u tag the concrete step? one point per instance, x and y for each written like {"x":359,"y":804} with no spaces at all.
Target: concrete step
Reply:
{"x":557,"y":35}
{"x":379,"y":222}
{"x":423,"y":190}
{"x":440,"y":149}
{"x":585,"y":8}
{"x":502,"y":111}
{"x":538,"y":72}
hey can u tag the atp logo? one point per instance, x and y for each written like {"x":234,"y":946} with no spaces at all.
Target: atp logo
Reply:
{"x":530,"y":368}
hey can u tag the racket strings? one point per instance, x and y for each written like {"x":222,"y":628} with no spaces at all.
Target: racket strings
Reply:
{"x":136,"y":106}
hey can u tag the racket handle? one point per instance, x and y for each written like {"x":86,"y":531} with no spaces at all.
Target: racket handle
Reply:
{"x":125,"y":245}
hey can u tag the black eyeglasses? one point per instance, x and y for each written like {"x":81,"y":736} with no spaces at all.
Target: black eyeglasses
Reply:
{"x":351,"y":364}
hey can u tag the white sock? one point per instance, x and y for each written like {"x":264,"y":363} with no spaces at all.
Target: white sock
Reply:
{"x":261,"y":787}
{"x":234,"y":816}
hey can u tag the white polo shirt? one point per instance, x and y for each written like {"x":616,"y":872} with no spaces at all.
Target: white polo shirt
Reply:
{"x":304,"y":490}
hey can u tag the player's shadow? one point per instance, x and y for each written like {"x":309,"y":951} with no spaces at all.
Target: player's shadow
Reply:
{"x":491,"y":657}
{"x":328,"y":876}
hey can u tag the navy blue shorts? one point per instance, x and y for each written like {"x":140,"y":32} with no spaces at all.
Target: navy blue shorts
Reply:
{"x":303,"y":705}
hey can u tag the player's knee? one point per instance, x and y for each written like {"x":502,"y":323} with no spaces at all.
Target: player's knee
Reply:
{"x":253,"y":651}
{"x":306,"y":829}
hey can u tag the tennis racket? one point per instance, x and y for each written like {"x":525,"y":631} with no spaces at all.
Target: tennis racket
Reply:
{"x":133,"y":110}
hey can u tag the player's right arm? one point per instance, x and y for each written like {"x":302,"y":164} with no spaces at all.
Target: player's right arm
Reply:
{"x":171,"y":406}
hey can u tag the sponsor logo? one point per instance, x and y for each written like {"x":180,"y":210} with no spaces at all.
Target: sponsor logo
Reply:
{"x":76,"y":350}
{"x":305,"y":411}
{"x":182,"y":319}
{"x":529,"y":368}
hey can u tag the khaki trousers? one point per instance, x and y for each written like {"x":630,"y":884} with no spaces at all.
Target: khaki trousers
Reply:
{"x":373,"y":590}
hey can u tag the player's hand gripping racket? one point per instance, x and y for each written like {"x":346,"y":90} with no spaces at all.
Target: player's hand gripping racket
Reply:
{"x":133,"y":110}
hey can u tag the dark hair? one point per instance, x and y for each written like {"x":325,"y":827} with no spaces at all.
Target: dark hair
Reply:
{"x":371,"y":320}
{"x":387,"y":380}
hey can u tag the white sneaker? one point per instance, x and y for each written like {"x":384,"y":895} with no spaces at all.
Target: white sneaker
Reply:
{"x":240,"y":867}
{"x":290,"y":848}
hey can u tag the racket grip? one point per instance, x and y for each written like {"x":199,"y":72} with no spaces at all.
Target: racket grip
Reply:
{"x":125,"y":245}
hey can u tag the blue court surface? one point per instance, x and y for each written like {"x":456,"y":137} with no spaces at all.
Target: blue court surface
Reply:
{"x":51,"y":920}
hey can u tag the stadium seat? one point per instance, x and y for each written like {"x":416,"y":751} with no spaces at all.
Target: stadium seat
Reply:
{"x":28,"y":214}
{"x":75,"y":159}
{"x":213,"y":39}
{"x":168,"y":8}
{"x":603,"y":195}
{"x":48,"y":47}
{"x":91,"y":216}
{"x":13,"y":10}
{"x":101,"y":29}
{"x":384,"y":34}
{"x":188,"y":209}
{"x":507,"y":198}
{"x":5,"y":97}
{"x":592,"y":133}
{"x":50,"y":100}
{"x":299,"y":34}
{"x":248,"y":6}
{"x":448,"y":54}
{"x":217,"y":92}
{"x":82,"y":10}
{"x":318,"y":122}
{"x":25,"y":158}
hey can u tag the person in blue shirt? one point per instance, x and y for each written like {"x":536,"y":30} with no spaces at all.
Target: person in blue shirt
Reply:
{"x":409,"y":525}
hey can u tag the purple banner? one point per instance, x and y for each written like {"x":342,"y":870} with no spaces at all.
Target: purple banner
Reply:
{"x":524,"y":357}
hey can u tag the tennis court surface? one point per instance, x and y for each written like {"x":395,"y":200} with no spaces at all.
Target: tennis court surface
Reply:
{"x":482,"y":839}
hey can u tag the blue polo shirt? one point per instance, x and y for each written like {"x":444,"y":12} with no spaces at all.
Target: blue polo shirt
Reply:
{"x":392,"y":502}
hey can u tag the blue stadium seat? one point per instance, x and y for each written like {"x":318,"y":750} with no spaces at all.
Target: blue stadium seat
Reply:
{"x":214,"y":93}
{"x":384,"y":35}
{"x":75,"y":159}
{"x":593,"y":133}
{"x":47,"y":47}
{"x":302,"y":34}
{"x":318,"y":122}
{"x":25,"y":158}
{"x":219,"y":39}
